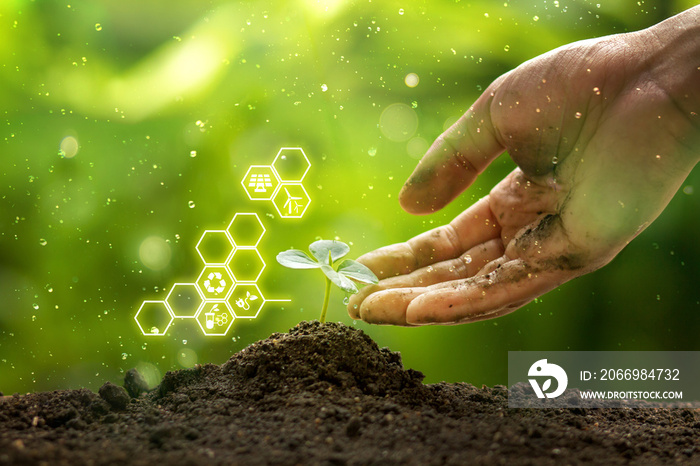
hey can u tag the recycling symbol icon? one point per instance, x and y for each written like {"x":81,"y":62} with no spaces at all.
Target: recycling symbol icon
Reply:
{"x":215,"y":289}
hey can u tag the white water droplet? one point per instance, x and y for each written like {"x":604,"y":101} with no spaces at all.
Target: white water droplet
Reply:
{"x":35,"y":306}
{"x":578,"y":115}
{"x":372,"y":151}
{"x":193,"y":153}
{"x":191,"y":204}
{"x":346,"y":300}
{"x":467,"y":259}
{"x":43,"y":242}
{"x":411,"y":80}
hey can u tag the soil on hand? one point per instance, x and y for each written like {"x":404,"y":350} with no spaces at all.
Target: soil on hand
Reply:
{"x":326,"y":394}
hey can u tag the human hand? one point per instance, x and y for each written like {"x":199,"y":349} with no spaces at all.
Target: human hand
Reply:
{"x":603,"y":132}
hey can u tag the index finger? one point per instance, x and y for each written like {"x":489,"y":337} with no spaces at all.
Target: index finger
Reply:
{"x":454,"y":160}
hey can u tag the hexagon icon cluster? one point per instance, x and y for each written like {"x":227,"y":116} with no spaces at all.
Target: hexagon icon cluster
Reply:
{"x":226,"y":288}
{"x":281,"y":182}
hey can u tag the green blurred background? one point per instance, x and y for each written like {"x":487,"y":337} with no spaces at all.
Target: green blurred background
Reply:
{"x":104,"y":102}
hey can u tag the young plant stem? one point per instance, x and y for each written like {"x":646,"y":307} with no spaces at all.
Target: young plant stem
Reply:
{"x":327,"y":296}
{"x":325,"y":301}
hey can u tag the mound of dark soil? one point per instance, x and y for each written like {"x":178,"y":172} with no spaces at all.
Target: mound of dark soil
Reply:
{"x":326,"y":394}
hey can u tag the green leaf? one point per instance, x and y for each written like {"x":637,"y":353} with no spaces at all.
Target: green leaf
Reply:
{"x":321,"y":248}
{"x":296,"y":259}
{"x":357,"y":271}
{"x":339,"y":280}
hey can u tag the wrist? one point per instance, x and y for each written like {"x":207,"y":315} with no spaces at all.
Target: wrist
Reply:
{"x":673,"y":63}
{"x":673,"y":53}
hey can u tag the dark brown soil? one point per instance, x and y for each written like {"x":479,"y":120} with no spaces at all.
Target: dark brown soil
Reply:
{"x":326,"y":394}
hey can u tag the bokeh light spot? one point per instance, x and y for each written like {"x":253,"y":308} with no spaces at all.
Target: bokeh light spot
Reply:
{"x":417,"y":147}
{"x":449,"y":122}
{"x":411,"y":80}
{"x":150,"y":373}
{"x":398,"y":122}
{"x":187,"y":357}
{"x":154,"y":253}
{"x":69,"y":147}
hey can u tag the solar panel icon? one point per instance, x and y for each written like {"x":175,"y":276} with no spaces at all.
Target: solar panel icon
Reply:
{"x":260,"y":181}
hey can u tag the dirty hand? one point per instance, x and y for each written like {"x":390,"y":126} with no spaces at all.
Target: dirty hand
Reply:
{"x":603,"y":132}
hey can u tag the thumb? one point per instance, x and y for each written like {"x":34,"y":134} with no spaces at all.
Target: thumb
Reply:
{"x":453,"y":161}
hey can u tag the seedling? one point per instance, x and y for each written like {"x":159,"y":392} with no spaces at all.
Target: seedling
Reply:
{"x":327,"y":252}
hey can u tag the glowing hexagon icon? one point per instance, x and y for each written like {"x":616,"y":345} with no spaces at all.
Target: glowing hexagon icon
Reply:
{"x":260,"y":182}
{"x":246,"y":229}
{"x":291,"y":200}
{"x":215,"y":247}
{"x":246,"y":300}
{"x":291,"y":164}
{"x":246,"y":265}
{"x":215,"y":319}
{"x":215,"y":282}
{"x":154,"y":318}
{"x":184,"y":300}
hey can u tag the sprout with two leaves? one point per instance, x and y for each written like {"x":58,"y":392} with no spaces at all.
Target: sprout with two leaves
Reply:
{"x":326,"y":253}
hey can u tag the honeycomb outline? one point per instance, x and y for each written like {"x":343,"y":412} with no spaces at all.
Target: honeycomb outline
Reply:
{"x":241,"y":314}
{"x":219,"y":300}
{"x":211,"y":233}
{"x":289,"y":213}
{"x":158,"y":332}
{"x":282,"y":183}
{"x":172,"y":308}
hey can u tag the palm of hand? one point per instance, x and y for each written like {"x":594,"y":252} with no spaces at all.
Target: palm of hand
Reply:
{"x":585,"y":141}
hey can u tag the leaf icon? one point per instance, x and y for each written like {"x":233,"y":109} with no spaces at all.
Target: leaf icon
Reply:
{"x":546,"y":384}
